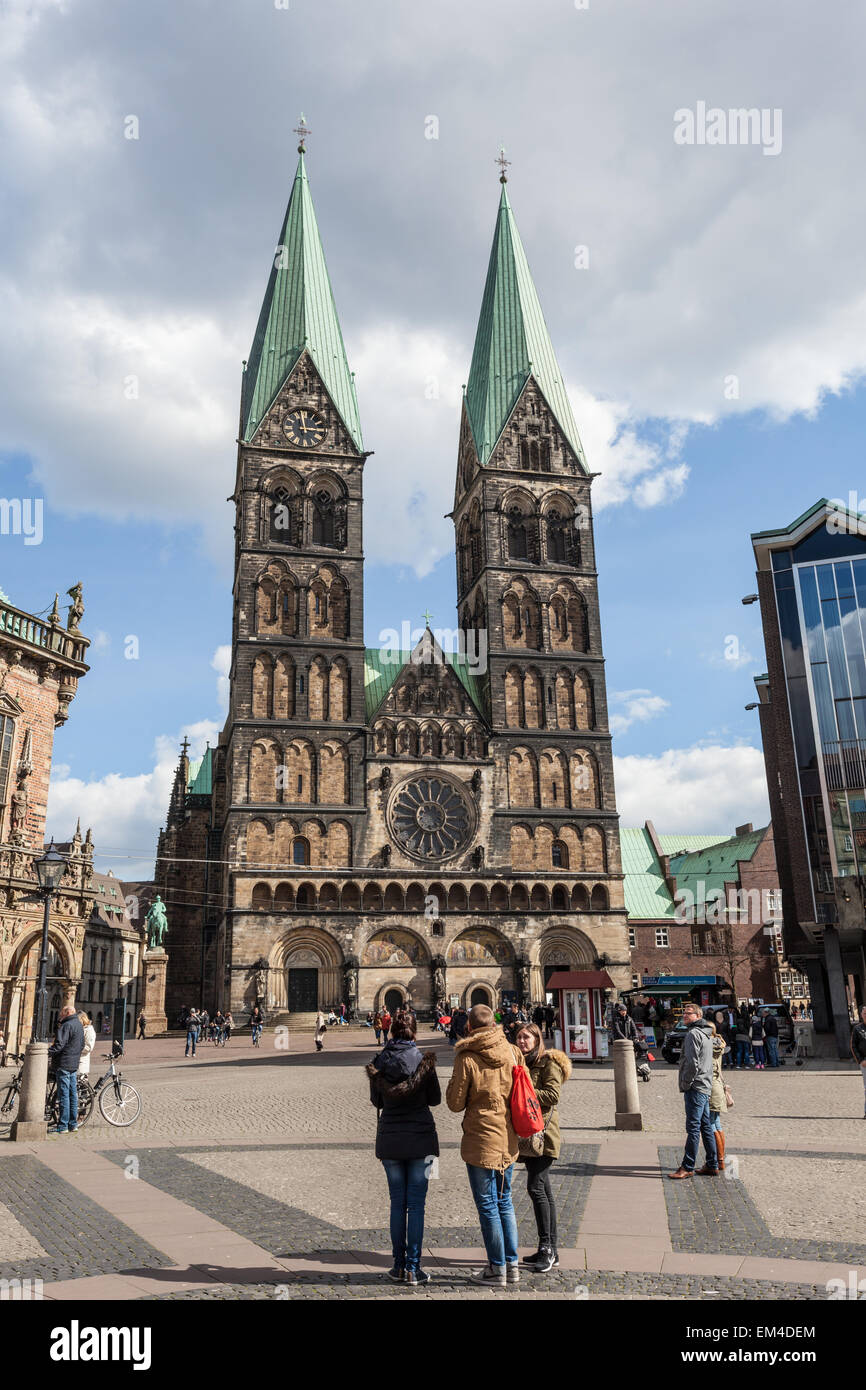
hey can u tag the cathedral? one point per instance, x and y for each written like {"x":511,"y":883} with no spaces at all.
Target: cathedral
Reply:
{"x":377,"y":826}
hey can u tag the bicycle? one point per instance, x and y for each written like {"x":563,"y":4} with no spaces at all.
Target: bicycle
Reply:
{"x":85,"y":1101}
{"x":119,"y":1103}
{"x":10,"y":1095}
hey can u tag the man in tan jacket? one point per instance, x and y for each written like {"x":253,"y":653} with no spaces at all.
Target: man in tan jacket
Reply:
{"x":480,"y":1086}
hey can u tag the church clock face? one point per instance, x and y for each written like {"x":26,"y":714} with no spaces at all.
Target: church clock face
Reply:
{"x":431,"y":818}
{"x":304,"y":428}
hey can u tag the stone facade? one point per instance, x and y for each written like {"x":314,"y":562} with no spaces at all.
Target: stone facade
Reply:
{"x":41,"y":662}
{"x":456,"y":835}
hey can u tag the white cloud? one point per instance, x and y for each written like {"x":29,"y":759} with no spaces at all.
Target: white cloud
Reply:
{"x":124,"y":812}
{"x":694,"y":790}
{"x":640,"y":705}
{"x":221,"y":661}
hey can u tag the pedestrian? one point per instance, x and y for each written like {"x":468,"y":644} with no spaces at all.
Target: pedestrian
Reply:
{"x":771,"y":1037}
{"x":257,"y":1023}
{"x":549,"y":1020}
{"x":510,"y":1024}
{"x":457,"y":1029}
{"x":89,"y":1043}
{"x":228,"y":1026}
{"x":538,"y":1016}
{"x":480,"y":1086}
{"x":377,"y":1026}
{"x":192,"y":1026}
{"x":742,"y":1034}
{"x":386,"y":1023}
{"x":548,"y":1069}
{"x":858,"y":1050}
{"x":66,"y":1050}
{"x":696,"y":1084}
{"x":718,"y":1095}
{"x":622,"y":1027}
{"x":141,"y":1023}
{"x":321,"y":1030}
{"x":756,"y":1032}
{"x":403,"y":1087}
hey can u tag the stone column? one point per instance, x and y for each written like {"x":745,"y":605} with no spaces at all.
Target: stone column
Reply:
{"x":628,"y":1114}
{"x":153,"y":999}
{"x":31,"y":1122}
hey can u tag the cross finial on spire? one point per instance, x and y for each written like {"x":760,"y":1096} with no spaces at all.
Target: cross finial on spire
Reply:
{"x":302,"y":131}
{"x":184,"y":747}
{"x":503,"y":165}
{"x":427,"y":615}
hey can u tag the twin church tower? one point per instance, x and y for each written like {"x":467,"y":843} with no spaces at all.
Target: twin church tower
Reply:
{"x":375,"y":826}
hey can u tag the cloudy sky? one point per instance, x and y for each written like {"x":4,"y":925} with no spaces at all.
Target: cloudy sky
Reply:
{"x":706,"y":301}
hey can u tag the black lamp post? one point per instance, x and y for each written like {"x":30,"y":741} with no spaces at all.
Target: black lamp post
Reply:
{"x":49,"y":872}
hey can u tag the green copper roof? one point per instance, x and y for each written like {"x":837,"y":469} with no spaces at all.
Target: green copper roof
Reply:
{"x":647,"y":896}
{"x":381,"y":669}
{"x":298,"y":312}
{"x":201,"y":775}
{"x":712,"y":866}
{"x":511,"y":344}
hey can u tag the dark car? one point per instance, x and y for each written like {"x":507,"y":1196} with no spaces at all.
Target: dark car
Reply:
{"x":673,"y":1044}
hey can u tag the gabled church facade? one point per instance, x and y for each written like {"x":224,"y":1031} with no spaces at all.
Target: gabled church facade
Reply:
{"x":376,"y":826}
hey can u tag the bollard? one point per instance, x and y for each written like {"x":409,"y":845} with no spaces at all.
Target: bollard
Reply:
{"x":31,"y":1123}
{"x":628,"y":1114}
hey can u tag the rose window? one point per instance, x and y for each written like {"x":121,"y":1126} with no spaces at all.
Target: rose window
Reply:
{"x":430,"y":818}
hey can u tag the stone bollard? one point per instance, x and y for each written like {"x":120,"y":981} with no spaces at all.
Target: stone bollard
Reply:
{"x":628,"y":1114}
{"x":31,"y":1123}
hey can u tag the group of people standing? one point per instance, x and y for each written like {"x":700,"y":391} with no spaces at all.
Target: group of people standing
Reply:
{"x":404,"y":1087}
{"x":201,"y":1027}
{"x":751,"y":1036}
{"x":69,"y":1056}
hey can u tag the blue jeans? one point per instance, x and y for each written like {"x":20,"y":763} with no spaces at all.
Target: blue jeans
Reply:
{"x":492,"y":1193}
{"x":743,"y":1052}
{"x":758,"y":1050}
{"x":191,"y":1038}
{"x":67,"y":1095}
{"x":407,"y":1184}
{"x":772,"y":1051}
{"x":698,"y":1126}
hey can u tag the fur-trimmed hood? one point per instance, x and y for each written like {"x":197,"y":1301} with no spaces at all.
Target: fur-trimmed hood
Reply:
{"x":563,"y":1062}
{"x":399,"y":1090}
{"x":491,"y":1047}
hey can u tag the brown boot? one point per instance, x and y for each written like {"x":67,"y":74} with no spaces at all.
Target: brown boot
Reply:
{"x":720,"y":1147}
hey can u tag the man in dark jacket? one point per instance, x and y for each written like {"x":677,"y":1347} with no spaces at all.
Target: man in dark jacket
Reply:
{"x":549,"y":1020}
{"x":771,"y":1037}
{"x":621,"y":1026}
{"x":66,"y":1050}
{"x":858,"y":1050}
{"x":459,"y":1019}
{"x":696,"y":1084}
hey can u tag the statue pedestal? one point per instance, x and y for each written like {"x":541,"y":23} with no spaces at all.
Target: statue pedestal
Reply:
{"x":153,"y":1005}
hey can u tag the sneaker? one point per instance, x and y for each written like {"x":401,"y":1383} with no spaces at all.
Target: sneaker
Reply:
{"x":544,"y":1262}
{"x":490,"y":1274}
{"x":56,"y":1129}
{"x":416,"y":1277}
{"x":73,"y":1128}
{"x":512,"y":1274}
{"x":531,"y":1259}
{"x":396,"y":1274}
{"x":556,"y":1259}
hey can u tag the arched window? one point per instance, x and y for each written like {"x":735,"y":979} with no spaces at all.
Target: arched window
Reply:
{"x":284,"y":516}
{"x":518,"y":539}
{"x":301,"y":852}
{"x":324,"y":520}
{"x":559,"y":855}
{"x":560,"y":546}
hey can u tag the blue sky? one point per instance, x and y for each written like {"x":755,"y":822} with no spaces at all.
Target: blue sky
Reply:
{"x":662,"y":269}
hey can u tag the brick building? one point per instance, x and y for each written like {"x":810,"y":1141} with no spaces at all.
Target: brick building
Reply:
{"x":380,"y":825}
{"x":699,"y":906}
{"x":812,"y":590}
{"x":41,"y":663}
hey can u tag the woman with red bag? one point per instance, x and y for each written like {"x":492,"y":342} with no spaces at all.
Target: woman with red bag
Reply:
{"x":548,"y":1068}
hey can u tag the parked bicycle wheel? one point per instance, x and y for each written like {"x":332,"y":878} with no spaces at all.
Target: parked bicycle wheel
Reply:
{"x":119,"y":1103}
{"x":85,"y":1100}
{"x":9,"y":1098}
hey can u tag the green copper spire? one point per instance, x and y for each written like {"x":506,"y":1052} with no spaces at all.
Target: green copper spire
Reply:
{"x":298,"y":313}
{"x":512,"y":343}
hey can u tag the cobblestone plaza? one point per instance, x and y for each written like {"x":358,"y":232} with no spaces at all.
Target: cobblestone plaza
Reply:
{"x":250,"y":1176}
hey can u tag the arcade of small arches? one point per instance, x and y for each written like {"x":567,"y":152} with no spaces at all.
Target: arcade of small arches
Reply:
{"x":300,"y":513}
{"x":560,"y":623}
{"x":277,"y":688}
{"x":550,"y":778}
{"x":534,"y":530}
{"x":568,"y":847}
{"x":307,"y":844}
{"x":287,"y":608}
{"x":308,"y":968}
{"x":432,"y":738}
{"x":567,"y":701}
{"x":431,"y":902}
{"x":299,"y":772}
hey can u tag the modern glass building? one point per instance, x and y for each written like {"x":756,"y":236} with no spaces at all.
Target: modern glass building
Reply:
{"x":812,"y":590}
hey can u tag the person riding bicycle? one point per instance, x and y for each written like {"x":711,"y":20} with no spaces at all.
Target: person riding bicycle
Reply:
{"x":257,"y":1023}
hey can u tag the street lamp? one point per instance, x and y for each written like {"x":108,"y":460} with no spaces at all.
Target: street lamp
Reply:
{"x":49,"y":872}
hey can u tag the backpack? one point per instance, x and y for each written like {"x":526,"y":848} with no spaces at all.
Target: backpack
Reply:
{"x":526,"y":1116}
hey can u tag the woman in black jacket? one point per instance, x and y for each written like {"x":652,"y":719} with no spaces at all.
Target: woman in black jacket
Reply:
{"x":403,"y":1086}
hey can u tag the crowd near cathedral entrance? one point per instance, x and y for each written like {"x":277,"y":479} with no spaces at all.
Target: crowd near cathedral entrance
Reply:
{"x":380,"y":826}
